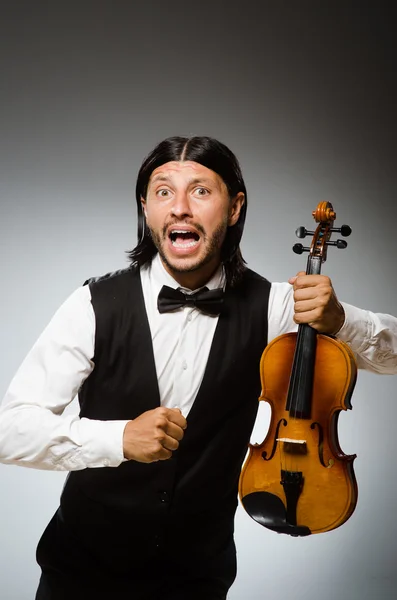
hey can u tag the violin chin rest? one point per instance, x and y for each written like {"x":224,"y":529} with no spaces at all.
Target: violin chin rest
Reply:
{"x":268,"y":510}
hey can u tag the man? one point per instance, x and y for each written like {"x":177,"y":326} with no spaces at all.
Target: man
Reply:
{"x":168,"y":389}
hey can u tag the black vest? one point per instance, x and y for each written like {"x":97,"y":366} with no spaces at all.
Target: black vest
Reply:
{"x":193,"y":495}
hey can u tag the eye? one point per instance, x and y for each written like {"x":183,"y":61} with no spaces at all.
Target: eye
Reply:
{"x":201,"y":191}
{"x":163,"y":193}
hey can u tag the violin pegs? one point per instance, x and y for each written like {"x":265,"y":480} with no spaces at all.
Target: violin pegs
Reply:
{"x":341,"y":244}
{"x":302,"y":232}
{"x":299,"y":249}
{"x":344,"y":230}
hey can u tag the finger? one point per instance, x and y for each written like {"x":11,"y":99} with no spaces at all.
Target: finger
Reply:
{"x":162,"y":454}
{"x":313,"y":296}
{"x":292,"y":280}
{"x":154,"y":454}
{"x":306,"y":306}
{"x":310,"y":317}
{"x":308,"y":281}
{"x":175,"y":416}
{"x":174,"y":431}
{"x":320,"y":295}
{"x":305,"y":294}
{"x":170,"y":443}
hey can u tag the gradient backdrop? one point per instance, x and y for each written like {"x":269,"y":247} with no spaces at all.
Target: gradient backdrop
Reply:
{"x":303,"y":93}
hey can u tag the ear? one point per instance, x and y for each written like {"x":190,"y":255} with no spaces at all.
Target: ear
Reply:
{"x":143,"y":204}
{"x":235,"y":208}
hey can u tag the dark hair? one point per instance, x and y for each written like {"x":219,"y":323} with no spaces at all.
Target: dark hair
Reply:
{"x":215,"y":156}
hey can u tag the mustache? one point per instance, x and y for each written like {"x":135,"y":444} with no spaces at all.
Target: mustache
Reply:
{"x":175,"y":222}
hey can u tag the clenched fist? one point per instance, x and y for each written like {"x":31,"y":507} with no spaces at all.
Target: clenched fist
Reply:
{"x":316,"y":303}
{"x":154,"y":435}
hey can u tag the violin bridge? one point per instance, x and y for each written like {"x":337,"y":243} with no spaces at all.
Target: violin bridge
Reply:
{"x":291,"y":446}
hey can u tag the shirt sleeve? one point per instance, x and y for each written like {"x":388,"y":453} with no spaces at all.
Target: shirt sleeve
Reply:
{"x":371,"y":336}
{"x":34,"y":430}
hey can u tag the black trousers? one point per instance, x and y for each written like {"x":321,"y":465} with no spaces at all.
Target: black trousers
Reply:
{"x":72,"y":571}
{"x":159,"y":580}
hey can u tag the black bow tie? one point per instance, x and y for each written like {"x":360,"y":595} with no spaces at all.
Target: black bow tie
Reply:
{"x":208,"y":301}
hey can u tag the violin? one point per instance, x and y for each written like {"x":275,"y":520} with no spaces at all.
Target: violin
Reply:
{"x":298,"y":481}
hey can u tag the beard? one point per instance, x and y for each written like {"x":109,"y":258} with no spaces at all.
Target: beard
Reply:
{"x":212,"y":251}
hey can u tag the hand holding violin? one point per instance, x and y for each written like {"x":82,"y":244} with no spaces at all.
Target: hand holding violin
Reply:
{"x":316,"y":303}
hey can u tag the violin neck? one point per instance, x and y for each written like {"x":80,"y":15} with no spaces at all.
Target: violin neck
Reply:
{"x":299,"y":400}
{"x":313,"y":266}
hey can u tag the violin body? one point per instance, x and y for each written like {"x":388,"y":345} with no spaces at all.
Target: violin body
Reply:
{"x":309,"y":446}
{"x":298,"y":481}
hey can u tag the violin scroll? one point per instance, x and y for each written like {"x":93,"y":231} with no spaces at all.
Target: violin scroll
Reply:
{"x":325,"y":216}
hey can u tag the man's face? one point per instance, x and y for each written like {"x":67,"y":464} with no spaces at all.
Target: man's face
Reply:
{"x":188,"y":211}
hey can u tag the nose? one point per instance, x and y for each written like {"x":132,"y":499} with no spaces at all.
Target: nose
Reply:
{"x":181,"y":206}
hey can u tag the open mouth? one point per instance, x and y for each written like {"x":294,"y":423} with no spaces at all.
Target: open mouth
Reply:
{"x":181,"y":238}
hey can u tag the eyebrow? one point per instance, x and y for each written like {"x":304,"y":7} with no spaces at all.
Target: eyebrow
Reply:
{"x":160,"y":178}
{"x":205,"y":180}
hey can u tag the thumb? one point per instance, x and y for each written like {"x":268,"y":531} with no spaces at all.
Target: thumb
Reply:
{"x":292,"y":280}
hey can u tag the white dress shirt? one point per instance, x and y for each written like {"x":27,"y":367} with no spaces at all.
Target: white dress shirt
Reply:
{"x":35,"y":433}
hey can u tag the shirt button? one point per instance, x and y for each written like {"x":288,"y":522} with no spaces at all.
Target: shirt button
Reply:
{"x":106,"y":462}
{"x":189,"y":317}
{"x":184,"y":365}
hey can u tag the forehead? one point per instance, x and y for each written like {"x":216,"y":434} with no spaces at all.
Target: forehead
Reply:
{"x":185,"y":171}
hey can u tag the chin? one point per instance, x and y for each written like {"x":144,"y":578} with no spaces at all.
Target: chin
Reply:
{"x":181,"y":265}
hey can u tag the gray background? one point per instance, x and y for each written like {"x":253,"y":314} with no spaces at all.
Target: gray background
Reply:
{"x":302,"y":92}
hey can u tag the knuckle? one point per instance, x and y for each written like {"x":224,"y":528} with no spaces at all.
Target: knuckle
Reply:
{"x":324,"y":301}
{"x":327,"y":292}
{"x":164,"y":454}
{"x":299,"y":295}
{"x":161,"y":422}
{"x":157,"y":448}
{"x":160,"y":437}
{"x":317,"y":314}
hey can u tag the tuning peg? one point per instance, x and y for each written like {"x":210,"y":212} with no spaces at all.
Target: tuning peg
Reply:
{"x":299,"y":249}
{"x":344,"y":230}
{"x":341,"y":244}
{"x":302,"y":232}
